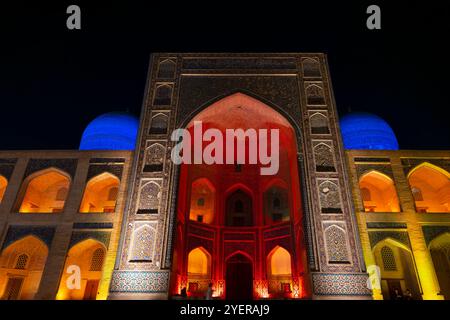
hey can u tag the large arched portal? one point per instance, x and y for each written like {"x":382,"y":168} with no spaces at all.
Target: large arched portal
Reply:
{"x":223,"y":201}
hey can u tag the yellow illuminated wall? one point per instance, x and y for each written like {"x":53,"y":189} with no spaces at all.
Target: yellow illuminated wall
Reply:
{"x":100,"y":194}
{"x":46,"y":192}
{"x":420,"y":187}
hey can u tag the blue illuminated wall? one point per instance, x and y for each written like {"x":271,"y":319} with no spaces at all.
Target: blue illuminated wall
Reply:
{"x":367,"y":131}
{"x":111,"y":131}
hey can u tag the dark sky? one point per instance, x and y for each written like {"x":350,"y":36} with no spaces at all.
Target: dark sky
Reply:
{"x":54,"y":81}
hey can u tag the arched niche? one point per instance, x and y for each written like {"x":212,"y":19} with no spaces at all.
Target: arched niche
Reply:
{"x":378,"y":193}
{"x":397,"y":269}
{"x":431,"y":186}
{"x":202,"y":208}
{"x":88,"y":257}
{"x":239,"y":209}
{"x":100,"y":194}
{"x":198,"y":271}
{"x":276,"y":203}
{"x":21,"y":267}
{"x":44,"y":192}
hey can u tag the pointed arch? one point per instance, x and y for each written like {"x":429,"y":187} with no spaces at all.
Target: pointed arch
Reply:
{"x":279,"y":263}
{"x":276,"y":202}
{"x":143,"y":244}
{"x":100,"y":194}
{"x":166,"y":69}
{"x":203,"y":200}
{"x":433,"y":184}
{"x":398,"y":271}
{"x":239,"y":206}
{"x":163,"y":94}
{"x":156,"y":154}
{"x":324,"y":158}
{"x":330,"y":199}
{"x":21,"y":265}
{"x":39,"y":191}
{"x":199,"y":267}
{"x":199,"y":263}
{"x":378,"y":192}
{"x":336,"y":244}
{"x":315,"y":95}
{"x":149,"y":198}
{"x":88,"y":255}
{"x":311,"y":68}
{"x":319,"y":123}
{"x":159,"y":123}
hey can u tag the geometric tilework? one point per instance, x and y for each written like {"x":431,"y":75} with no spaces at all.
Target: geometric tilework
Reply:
{"x":411,"y":163}
{"x":387,"y":255}
{"x":340,"y":284}
{"x":96,"y":169}
{"x":431,"y":232}
{"x":6,"y":170}
{"x":386,"y":225}
{"x":67,"y":165}
{"x":18,"y":232}
{"x":78,"y":236}
{"x":142,"y":248}
{"x":139,"y":282}
{"x":93,"y":225}
{"x":106,"y":160}
{"x":377,"y":236}
{"x":362,"y":169}
{"x":336,"y":244}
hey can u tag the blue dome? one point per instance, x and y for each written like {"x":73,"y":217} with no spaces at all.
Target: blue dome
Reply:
{"x":364,"y":131}
{"x":111,"y":131}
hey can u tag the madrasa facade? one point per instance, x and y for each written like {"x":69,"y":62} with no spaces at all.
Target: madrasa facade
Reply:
{"x":347,"y":215}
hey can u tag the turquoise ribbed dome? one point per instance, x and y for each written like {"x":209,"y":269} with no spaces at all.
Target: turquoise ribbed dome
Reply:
{"x":111,"y":131}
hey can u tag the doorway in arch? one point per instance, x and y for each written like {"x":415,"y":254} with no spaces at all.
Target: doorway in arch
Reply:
{"x":239,"y":278}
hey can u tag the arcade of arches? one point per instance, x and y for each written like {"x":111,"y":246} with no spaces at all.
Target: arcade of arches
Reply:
{"x":404,"y":222}
{"x":46,"y":192}
{"x":236,"y":227}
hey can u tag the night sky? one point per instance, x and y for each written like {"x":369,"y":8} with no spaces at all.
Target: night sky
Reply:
{"x":53,"y":81}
